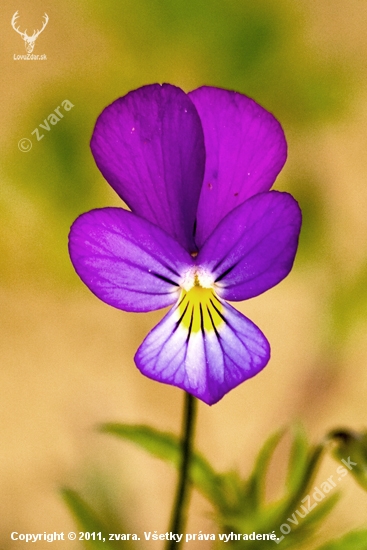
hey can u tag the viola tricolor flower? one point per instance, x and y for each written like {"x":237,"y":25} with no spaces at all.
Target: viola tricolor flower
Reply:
{"x":195,"y":169}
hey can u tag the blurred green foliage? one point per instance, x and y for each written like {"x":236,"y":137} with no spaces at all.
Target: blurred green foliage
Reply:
{"x":351,"y":446}
{"x":88,"y":520}
{"x":240,"y":505}
{"x":258,"y":48}
{"x":352,"y":541}
{"x":313,"y":241}
{"x":348,"y":303}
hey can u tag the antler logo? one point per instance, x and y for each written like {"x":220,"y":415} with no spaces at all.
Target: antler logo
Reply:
{"x":29,"y":40}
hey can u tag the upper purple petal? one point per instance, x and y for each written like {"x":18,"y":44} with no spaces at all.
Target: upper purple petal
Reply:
{"x":245,"y":150}
{"x":254,"y":247}
{"x":126,"y":261}
{"x":149,"y":145}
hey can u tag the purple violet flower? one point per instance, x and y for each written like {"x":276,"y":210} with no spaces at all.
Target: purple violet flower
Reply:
{"x":195,"y":169}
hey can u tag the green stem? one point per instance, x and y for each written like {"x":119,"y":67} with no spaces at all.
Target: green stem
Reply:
{"x":179,"y":512}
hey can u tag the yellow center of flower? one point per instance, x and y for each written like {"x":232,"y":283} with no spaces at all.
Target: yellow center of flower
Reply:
{"x":200,"y":309}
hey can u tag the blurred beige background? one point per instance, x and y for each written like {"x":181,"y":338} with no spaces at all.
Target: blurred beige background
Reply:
{"x":67,"y":358}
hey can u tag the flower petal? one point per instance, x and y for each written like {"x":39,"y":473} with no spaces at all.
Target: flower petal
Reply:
{"x":254,"y":247}
{"x":149,"y":145}
{"x":245,"y":151}
{"x":204,"y":347}
{"x":126,"y":261}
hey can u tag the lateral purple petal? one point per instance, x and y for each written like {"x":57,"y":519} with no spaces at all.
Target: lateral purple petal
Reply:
{"x":254,"y":247}
{"x":207,"y":363}
{"x":126,"y":261}
{"x":149,"y":145}
{"x":245,"y":151}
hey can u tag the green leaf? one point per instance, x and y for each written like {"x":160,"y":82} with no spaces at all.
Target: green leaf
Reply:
{"x":231,"y":501}
{"x":319,"y":512}
{"x":253,"y":496}
{"x":88,"y":521}
{"x":167,"y":446}
{"x":303,"y":528}
{"x":254,"y":491}
{"x":298,"y":459}
{"x":351,"y":449}
{"x":356,"y":540}
{"x":301,"y":487}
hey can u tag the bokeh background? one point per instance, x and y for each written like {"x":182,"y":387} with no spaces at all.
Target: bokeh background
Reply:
{"x":67,"y":358}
